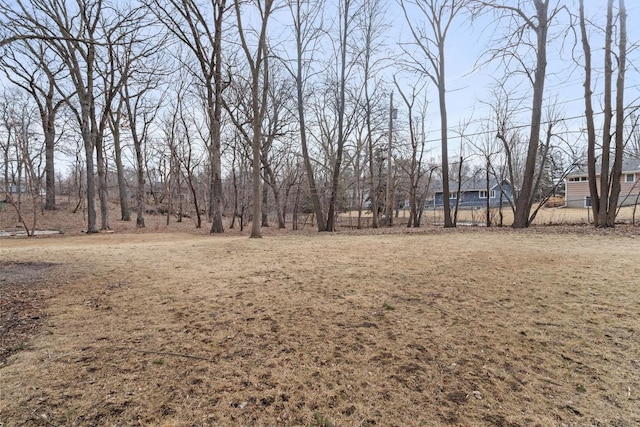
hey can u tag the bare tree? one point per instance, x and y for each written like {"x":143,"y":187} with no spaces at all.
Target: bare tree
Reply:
{"x":346,"y":16}
{"x":307,"y":28}
{"x":372,"y":27}
{"x":259,"y":68}
{"x":23,"y":158}
{"x":199,"y":29}
{"x":414,"y":168}
{"x":29,"y":67}
{"x":185,"y":153}
{"x":83,"y":38}
{"x":115,"y":122}
{"x":277,"y":125}
{"x":604,"y":198}
{"x":141,"y":111}
{"x":429,"y":38}
{"x":521,"y":22}
{"x":142,"y":69}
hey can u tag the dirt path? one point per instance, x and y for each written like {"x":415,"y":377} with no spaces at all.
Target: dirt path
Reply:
{"x":442,"y":328}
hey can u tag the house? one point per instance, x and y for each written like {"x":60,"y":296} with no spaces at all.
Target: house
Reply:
{"x":15,"y":189}
{"x":474,"y":194}
{"x":577,"y":193}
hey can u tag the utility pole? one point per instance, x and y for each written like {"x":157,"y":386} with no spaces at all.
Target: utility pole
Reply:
{"x":389,"y":175}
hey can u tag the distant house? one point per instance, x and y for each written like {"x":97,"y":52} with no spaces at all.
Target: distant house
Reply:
{"x":474,"y":194}
{"x":577,"y":193}
{"x":15,"y":189}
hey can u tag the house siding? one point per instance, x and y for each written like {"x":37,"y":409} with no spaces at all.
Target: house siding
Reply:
{"x":575,"y":194}
{"x":471,"y":198}
{"x":629,"y":191}
{"x":576,"y":191}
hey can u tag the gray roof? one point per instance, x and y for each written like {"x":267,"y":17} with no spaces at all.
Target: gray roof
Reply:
{"x":473,"y":185}
{"x":629,"y":165}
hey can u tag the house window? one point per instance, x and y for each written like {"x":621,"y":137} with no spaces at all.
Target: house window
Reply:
{"x":482,"y":194}
{"x":583,"y":178}
{"x":587,"y":201}
{"x":493,"y":194}
{"x":630,"y":177}
{"x":453,"y":195}
{"x":574,"y":179}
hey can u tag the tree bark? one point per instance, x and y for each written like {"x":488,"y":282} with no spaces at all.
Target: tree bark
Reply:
{"x":313,"y":188}
{"x":440,"y":15}
{"x":616,"y":172}
{"x":342,"y":83}
{"x":389,"y":197}
{"x":523,"y":202}
{"x":125,"y":214}
{"x":591,"y":130}
{"x":103,"y":192}
{"x":302,"y":23}
{"x":216,"y":197}
{"x":140,"y":191}
{"x":604,"y":201}
{"x":444,"y":141}
{"x":259,"y":68}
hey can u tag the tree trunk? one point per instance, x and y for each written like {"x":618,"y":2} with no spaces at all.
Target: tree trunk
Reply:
{"x":458,"y":192}
{"x":313,"y":189}
{"x":342,"y":83}
{"x":591,"y":130}
{"x":605,"y":163}
{"x":270,"y":181}
{"x":216,"y":197}
{"x":374,"y":184}
{"x":91,"y":183}
{"x":122,"y":185}
{"x":299,"y":78}
{"x":389,"y":162}
{"x":50,"y":173}
{"x":140,"y":191}
{"x":488,"y":180}
{"x":259,"y":67}
{"x":102,"y":185}
{"x":444,"y":146}
{"x":194,"y":193}
{"x":257,"y":181}
{"x":616,"y":172}
{"x":264,"y":215}
{"x":523,"y":202}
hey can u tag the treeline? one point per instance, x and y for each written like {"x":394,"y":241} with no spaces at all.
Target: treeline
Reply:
{"x":242,"y":108}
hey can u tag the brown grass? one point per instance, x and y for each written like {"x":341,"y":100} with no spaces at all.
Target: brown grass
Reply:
{"x":545,"y":216}
{"x":465,"y":327}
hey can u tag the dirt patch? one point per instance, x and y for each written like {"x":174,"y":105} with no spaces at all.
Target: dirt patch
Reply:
{"x":21,"y":304}
{"x":436,"y":328}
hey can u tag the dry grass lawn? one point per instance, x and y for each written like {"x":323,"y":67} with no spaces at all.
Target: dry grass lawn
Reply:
{"x":465,"y":327}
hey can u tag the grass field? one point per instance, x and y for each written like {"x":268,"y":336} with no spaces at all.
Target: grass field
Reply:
{"x":466,"y":327}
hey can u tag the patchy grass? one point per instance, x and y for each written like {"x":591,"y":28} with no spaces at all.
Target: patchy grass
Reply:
{"x":434,"y":328}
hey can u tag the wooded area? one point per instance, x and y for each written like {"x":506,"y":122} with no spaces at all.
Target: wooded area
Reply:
{"x":266,"y":111}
